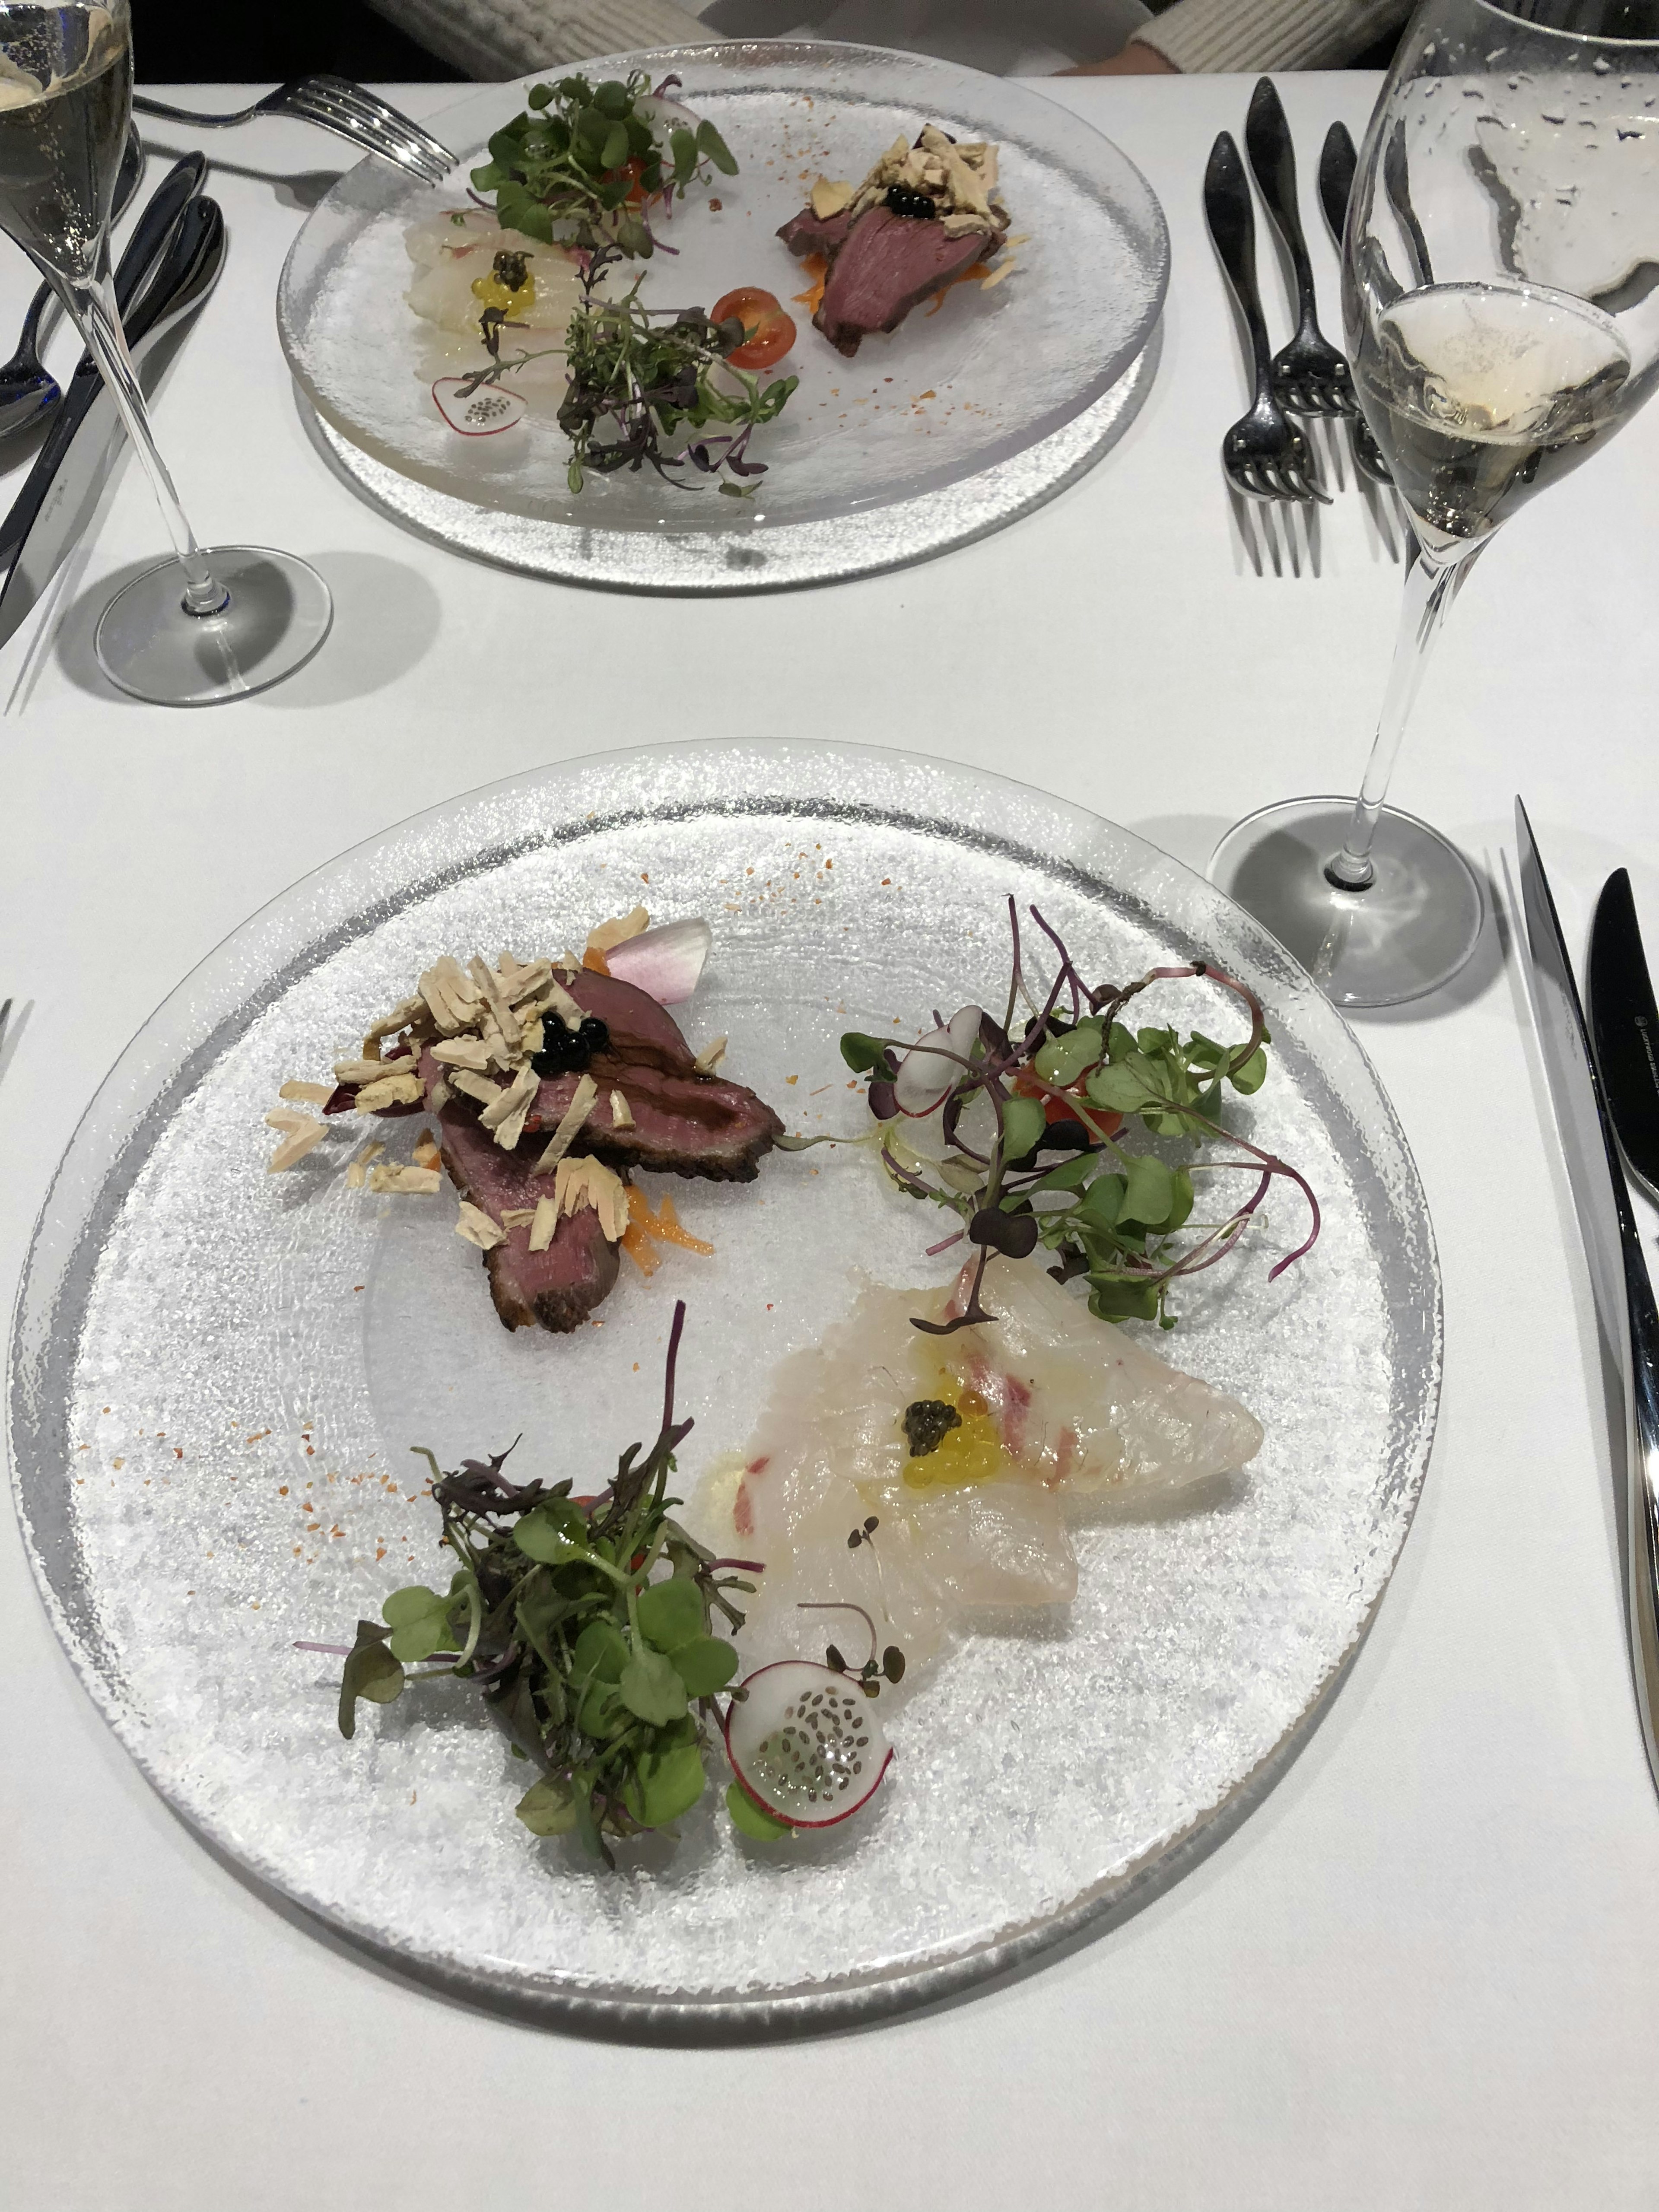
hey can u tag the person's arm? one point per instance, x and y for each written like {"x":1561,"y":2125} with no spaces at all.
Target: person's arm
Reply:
{"x":1204,"y":37}
{"x":491,"y":39}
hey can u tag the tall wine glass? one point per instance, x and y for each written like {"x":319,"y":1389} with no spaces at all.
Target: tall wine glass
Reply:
{"x":1501,"y":297}
{"x":204,"y":626}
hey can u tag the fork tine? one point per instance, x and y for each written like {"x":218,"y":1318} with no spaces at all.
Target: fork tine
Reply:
{"x":1305,"y":485}
{"x":326,"y":108}
{"x":372,"y":139}
{"x":374,"y":109}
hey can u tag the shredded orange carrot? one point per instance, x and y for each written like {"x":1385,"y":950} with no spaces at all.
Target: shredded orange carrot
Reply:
{"x":963,"y":276}
{"x":638,"y":1248}
{"x":818,"y":267}
{"x":596,"y":961}
{"x":664,"y":1225}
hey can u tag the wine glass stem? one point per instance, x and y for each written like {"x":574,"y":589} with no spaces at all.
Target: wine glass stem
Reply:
{"x":92,"y":305}
{"x":1431,"y":583}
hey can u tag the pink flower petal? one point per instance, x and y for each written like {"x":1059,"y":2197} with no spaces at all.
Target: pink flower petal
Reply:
{"x":665,"y":962}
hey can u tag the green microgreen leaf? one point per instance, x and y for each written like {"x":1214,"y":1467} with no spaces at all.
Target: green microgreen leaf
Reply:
{"x":864,"y":1053}
{"x":1065,"y":1060}
{"x":1023,"y":1121}
{"x":370,"y":1672}
{"x":419,"y":1620}
{"x":710,"y":142}
{"x":651,"y":1689}
{"x":670,"y":1613}
{"x":1252,"y":1075}
{"x":601,"y":1652}
{"x":553,"y":1534}
{"x":1149,"y":1191}
{"x":548,"y":1808}
{"x":753,"y":1820}
{"x":664,"y":1784}
{"x":705,"y":1665}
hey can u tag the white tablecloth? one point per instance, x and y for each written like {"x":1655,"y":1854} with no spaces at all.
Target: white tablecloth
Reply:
{"x":1426,"y":1972}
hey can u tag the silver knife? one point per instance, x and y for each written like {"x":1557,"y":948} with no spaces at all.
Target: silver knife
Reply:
{"x":1618,"y":1275}
{"x":55,"y":507}
{"x":1624,"y":1028}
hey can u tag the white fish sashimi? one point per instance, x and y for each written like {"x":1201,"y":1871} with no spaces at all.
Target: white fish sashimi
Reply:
{"x":1084,"y":1405}
{"x":449,"y":254}
{"x":1050,"y":1403}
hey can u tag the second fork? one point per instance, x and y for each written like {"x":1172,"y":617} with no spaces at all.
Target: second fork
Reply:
{"x":1264,"y":455}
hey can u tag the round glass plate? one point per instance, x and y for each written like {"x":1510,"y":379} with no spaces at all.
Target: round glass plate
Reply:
{"x":218,"y":1374}
{"x":949,"y":396}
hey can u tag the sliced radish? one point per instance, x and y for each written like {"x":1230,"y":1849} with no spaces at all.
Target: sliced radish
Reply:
{"x":663,"y":963}
{"x":482,"y":412}
{"x":804,"y":1743}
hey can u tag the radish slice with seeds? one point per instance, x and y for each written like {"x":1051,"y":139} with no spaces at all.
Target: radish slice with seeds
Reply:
{"x":665,"y":963}
{"x":805,"y":1744}
{"x":481,"y":413}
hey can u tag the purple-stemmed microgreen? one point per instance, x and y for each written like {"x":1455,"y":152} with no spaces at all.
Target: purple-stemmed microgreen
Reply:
{"x":1071,"y":1082}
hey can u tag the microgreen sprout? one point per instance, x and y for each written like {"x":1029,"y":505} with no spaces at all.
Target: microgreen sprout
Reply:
{"x":642,"y":375}
{"x":584,"y":163}
{"x":589,"y":1625}
{"x":1072,"y":1080}
{"x":869,"y":1675}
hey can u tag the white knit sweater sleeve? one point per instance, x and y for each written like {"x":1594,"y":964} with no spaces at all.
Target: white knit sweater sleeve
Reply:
{"x":1204,"y":37}
{"x":495,"y":38}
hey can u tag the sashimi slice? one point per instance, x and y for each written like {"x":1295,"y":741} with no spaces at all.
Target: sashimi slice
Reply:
{"x":1050,"y":1403}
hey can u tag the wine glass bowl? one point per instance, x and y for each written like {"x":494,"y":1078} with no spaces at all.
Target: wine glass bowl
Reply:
{"x":1501,"y":309}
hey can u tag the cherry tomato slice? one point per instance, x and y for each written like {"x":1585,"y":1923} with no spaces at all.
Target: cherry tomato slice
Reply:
{"x":768,"y":333}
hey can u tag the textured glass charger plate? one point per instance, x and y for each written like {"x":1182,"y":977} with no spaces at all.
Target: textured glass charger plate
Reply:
{"x":218,"y":1374}
{"x":957,"y":422}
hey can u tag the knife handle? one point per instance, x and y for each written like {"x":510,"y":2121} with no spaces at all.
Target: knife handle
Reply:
{"x":1337,"y":163}
{"x":1642,"y":1484}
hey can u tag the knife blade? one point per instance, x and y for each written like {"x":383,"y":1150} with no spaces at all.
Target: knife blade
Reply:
{"x":56,"y":506}
{"x":1625,"y":1027}
{"x":1618,"y":1275}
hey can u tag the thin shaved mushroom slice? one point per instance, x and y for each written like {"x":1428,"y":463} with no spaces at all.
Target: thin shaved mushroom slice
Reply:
{"x":475,"y":1227}
{"x":581,"y":1105}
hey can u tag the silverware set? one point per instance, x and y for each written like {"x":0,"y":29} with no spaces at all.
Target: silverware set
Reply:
{"x":1266,"y":456}
{"x":360,"y":118}
{"x":1604,"y":1084}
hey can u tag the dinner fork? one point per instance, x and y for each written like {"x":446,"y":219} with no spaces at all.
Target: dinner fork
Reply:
{"x":335,"y":104}
{"x":1310,"y":376}
{"x":1264,"y":455}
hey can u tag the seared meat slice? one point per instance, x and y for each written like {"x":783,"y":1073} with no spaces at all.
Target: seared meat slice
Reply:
{"x":889,"y":264}
{"x":808,"y":232}
{"x":688,"y":1125}
{"x":558,"y":1288}
{"x":685,"y":1122}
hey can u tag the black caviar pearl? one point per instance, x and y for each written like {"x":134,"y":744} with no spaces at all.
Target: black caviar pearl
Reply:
{"x":903,"y":201}
{"x":567,"y":1052}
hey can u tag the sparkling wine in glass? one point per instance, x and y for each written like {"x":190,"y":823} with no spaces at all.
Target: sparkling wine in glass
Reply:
{"x":1501,"y":299}
{"x":206,"y":625}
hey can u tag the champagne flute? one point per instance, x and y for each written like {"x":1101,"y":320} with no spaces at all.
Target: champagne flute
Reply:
{"x":205,"y":625}
{"x":1501,"y":299}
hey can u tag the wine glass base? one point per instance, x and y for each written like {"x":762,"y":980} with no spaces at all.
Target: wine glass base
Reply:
{"x":1407,"y":933}
{"x":149,"y":645}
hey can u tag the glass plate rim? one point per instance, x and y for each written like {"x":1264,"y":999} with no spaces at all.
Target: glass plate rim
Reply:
{"x":719,"y":2018}
{"x":1057,"y":419}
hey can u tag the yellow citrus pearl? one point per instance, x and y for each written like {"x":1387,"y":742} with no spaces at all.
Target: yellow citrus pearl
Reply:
{"x":970,"y":1453}
{"x":492,"y":293}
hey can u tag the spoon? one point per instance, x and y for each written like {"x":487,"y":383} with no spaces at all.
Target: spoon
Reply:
{"x":29,"y":391}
